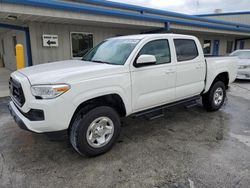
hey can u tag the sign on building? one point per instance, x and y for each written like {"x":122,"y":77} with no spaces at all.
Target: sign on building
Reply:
{"x":50,"y":40}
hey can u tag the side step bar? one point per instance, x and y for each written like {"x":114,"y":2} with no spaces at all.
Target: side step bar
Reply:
{"x":156,"y":112}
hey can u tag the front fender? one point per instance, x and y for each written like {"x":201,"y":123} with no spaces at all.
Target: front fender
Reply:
{"x":85,"y":96}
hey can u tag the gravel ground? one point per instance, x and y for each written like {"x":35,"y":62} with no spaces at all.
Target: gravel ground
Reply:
{"x":185,"y":148}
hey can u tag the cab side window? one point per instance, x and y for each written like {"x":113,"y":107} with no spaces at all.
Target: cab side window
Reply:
{"x":186,"y":49}
{"x":158,"y":48}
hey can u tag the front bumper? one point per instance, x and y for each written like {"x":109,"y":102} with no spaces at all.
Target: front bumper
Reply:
{"x":55,"y":135}
{"x":243,"y":74}
{"x":22,"y":120}
{"x":17,"y":119}
{"x":49,"y":124}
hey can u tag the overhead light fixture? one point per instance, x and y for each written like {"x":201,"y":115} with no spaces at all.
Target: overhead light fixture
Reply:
{"x":12,"y":17}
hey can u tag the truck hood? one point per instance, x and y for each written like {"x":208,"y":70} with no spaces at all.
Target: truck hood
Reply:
{"x":68,"y":71}
{"x":243,"y":62}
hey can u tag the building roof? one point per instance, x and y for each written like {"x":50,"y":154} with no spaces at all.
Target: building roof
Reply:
{"x":132,"y":12}
{"x":224,"y":14}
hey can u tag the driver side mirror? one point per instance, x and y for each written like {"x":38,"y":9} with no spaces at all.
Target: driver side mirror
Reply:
{"x":144,"y":60}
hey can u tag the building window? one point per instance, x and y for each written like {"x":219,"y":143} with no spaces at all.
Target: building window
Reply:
{"x":14,"y":43}
{"x":229,"y":47}
{"x":207,"y":46}
{"x":2,"y":43}
{"x":81,"y":43}
{"x":186,"y":49}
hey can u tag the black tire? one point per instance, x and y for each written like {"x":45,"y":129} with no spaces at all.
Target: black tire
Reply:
{"x":81,"y":123}
{"x":208,"y":98}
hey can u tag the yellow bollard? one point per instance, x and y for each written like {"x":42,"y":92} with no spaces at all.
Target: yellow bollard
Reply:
{"x":20,"y":56}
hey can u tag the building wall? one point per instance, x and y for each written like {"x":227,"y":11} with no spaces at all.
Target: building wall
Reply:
{"x":222,"y":46}
{"x":240,"y":18}
{"x":9,"y":51}
{"x":247,"y":44}
{"x":27,"y":14}
{"x":209,"y":31}
{"x":42,"y":54}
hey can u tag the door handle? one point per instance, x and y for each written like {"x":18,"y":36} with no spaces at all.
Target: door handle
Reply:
{"x":170,"y":71}
{"x":198,"y":67}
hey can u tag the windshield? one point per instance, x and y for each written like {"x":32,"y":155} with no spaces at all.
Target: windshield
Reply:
{"x":241,"y":54}
{"x":112,"y":51}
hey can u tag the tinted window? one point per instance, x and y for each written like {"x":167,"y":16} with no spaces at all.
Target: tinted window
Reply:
{"x":185,"y":49}
{"x":81,"y":43}
{"x":158,"y":48}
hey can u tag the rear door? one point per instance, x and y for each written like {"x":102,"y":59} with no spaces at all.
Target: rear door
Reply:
{"x":154,"y":85}
{"x":190,"y":67}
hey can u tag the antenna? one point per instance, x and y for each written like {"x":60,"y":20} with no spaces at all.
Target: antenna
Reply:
{"x":197,"y":5}
{"x":218,"y":10}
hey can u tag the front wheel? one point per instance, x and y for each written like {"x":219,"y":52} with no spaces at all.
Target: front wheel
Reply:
{"x":215,"y":97}
{"x":95,"y":132}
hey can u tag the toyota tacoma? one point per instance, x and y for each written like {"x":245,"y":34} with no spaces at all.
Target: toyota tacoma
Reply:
{"x":120,"y":77}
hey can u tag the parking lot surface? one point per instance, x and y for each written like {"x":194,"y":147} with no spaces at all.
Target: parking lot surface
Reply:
{"x":185,"y":148}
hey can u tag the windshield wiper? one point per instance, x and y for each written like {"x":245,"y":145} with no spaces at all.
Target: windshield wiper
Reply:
{"x":104,"y":62}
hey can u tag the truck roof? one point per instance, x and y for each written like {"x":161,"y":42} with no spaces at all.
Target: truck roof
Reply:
{"x":144,"y":36}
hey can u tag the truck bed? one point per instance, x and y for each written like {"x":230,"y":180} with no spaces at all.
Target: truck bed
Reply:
{"x":217,"y":65}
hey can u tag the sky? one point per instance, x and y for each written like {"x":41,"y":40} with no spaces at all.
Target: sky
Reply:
{"x":193,"y":6}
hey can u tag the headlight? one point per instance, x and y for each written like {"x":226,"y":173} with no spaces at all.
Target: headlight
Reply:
{"x":49,"y":91}
{"x":244,"y":66}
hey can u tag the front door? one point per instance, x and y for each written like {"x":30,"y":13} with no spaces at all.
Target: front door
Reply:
{"x":216,"y":47}
{"x":154,"y":85}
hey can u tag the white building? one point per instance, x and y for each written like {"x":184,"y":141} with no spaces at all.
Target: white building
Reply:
{"x":237,"y":17}
{"x":57,"y":30}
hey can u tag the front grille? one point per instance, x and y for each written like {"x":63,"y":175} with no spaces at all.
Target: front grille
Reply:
{"x":16,"y":92}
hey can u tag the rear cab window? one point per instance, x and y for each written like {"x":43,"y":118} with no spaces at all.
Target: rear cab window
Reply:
{"x":186,"y":49}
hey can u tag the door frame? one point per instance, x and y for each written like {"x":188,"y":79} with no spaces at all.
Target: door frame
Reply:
{"x":27,"y":37}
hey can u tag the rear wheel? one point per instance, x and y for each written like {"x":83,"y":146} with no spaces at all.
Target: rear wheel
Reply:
{"x":95,"y":132}
{"x":215,"y":97}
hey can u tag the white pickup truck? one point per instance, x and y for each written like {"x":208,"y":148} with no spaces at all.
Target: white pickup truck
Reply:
{"x":122,"y":76}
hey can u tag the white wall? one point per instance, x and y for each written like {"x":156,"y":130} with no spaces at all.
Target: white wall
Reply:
{"x":247,"y":44}
{"x":42,"y":54}
{"x":240,"y":18}
{"x":9,"y":56}
{"x":223,"y":43}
